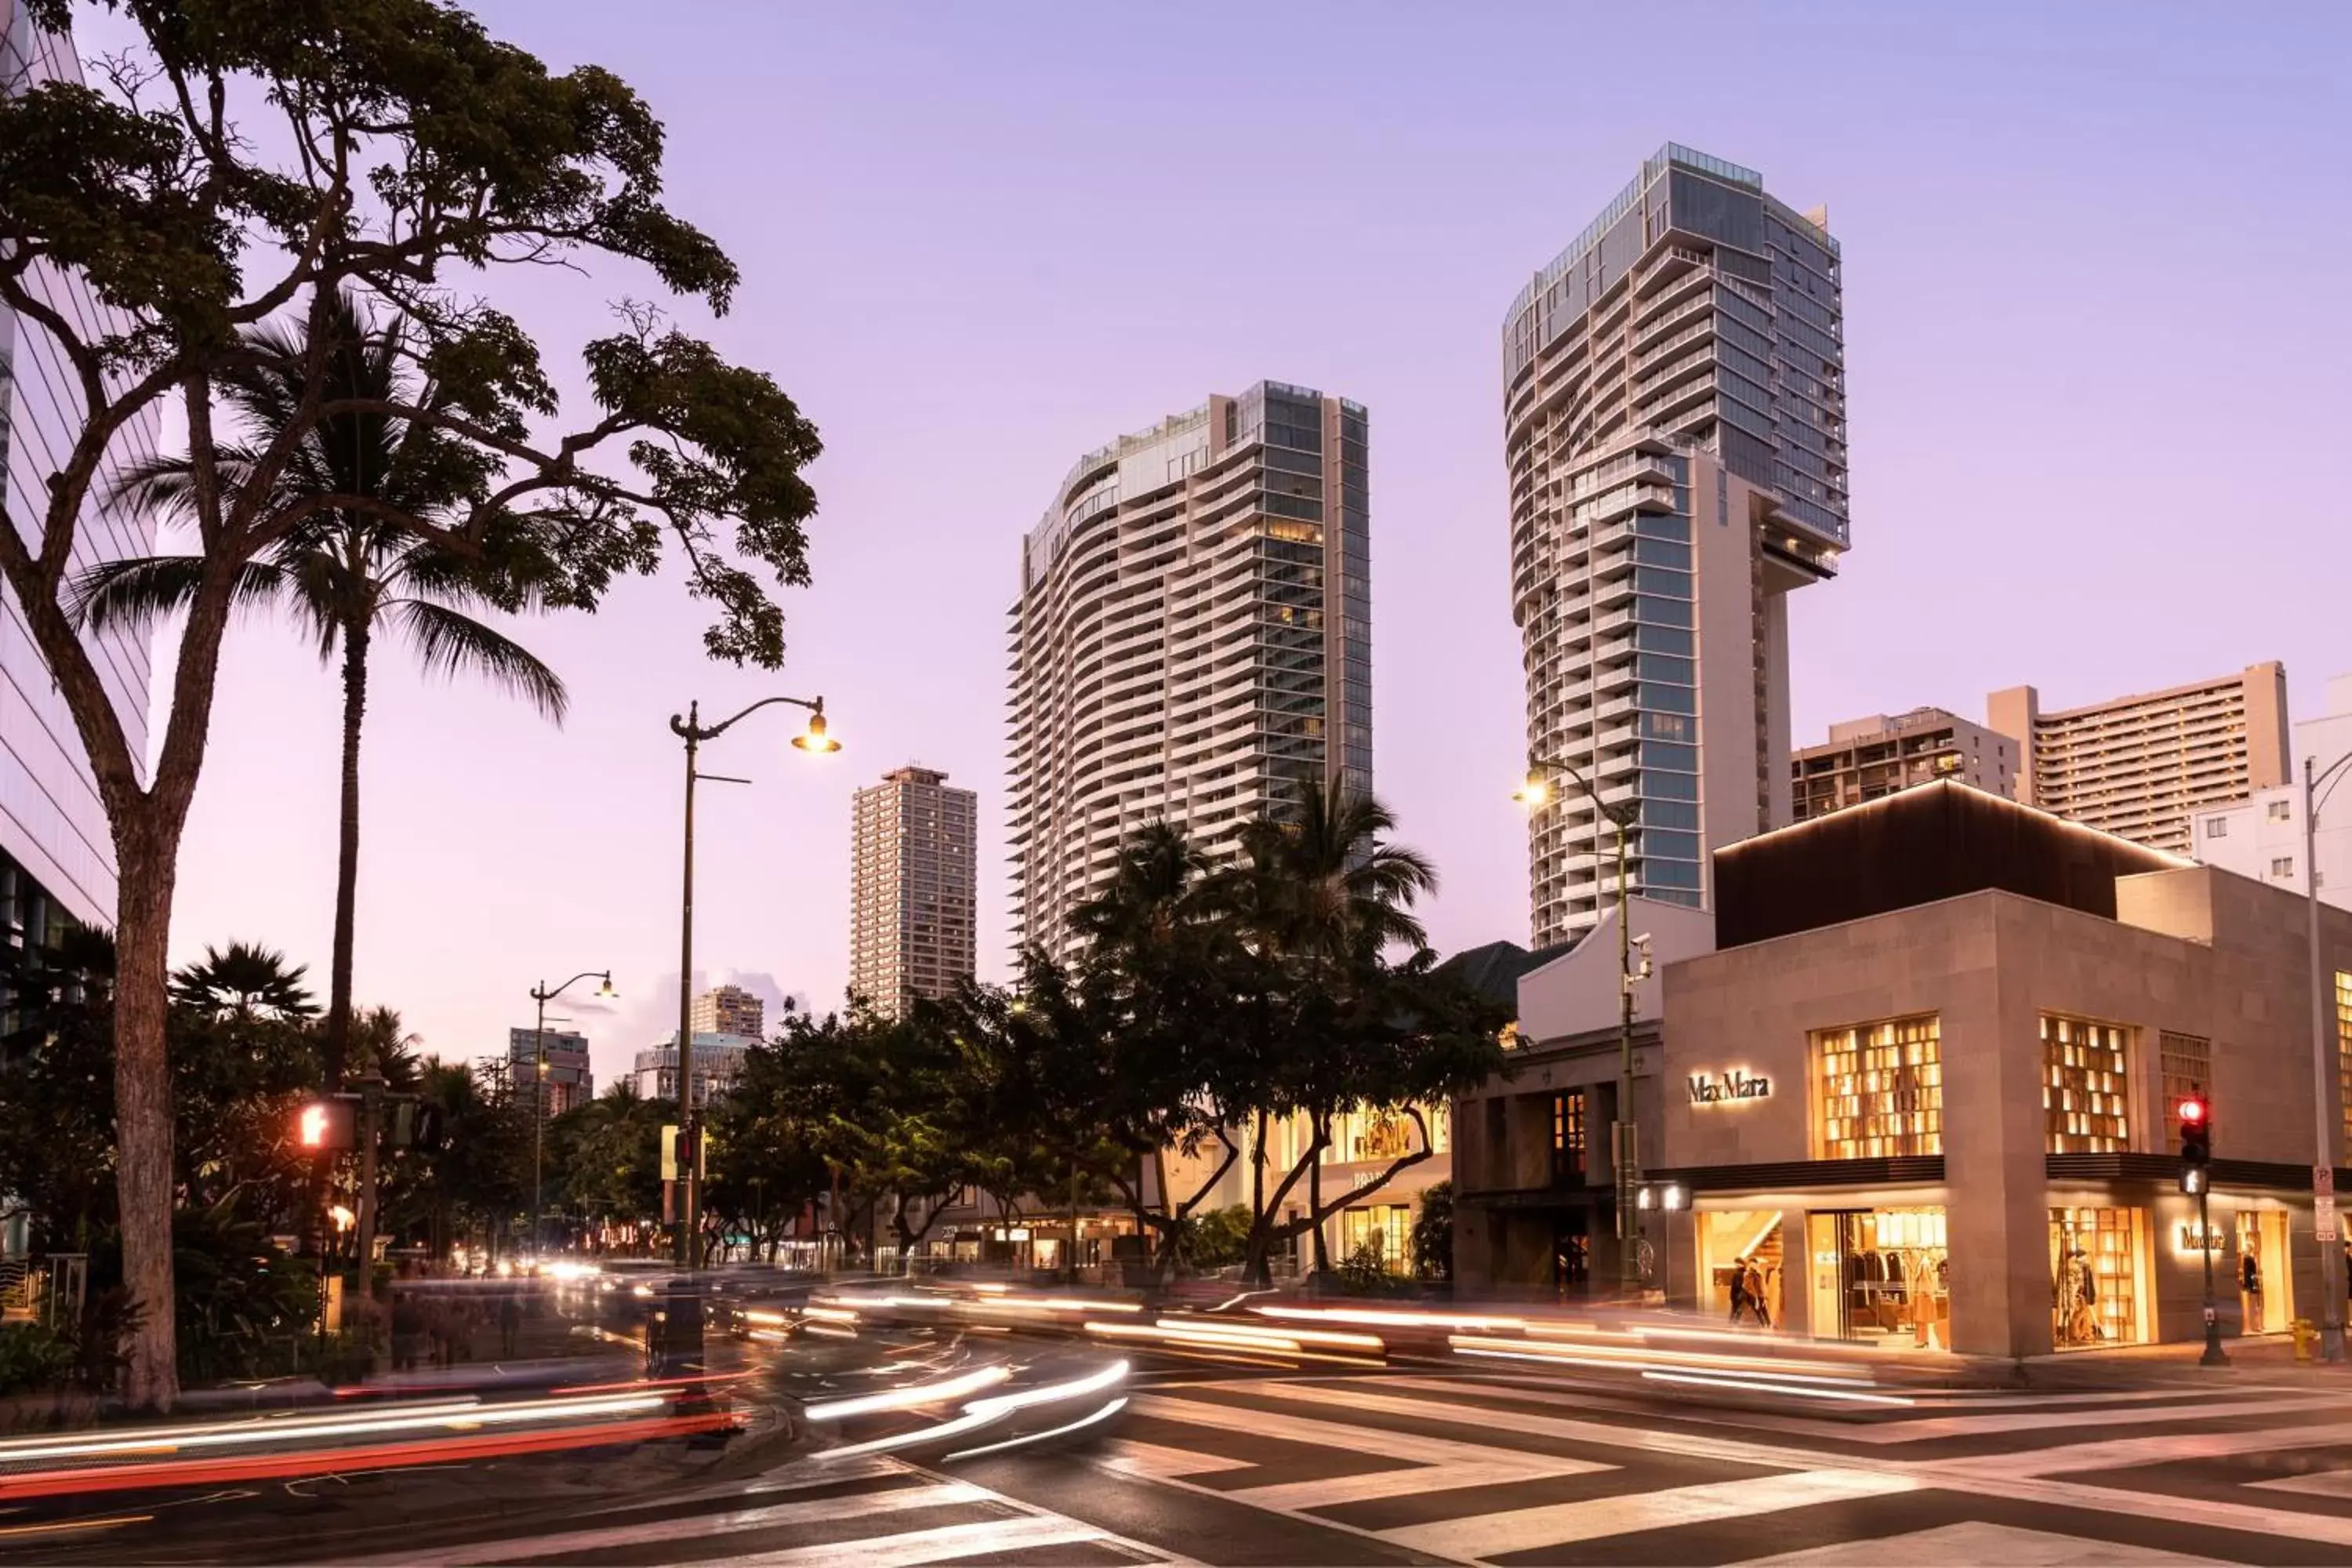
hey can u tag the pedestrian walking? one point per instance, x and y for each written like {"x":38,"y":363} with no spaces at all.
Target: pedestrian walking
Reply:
{"x":1739,"y":1292}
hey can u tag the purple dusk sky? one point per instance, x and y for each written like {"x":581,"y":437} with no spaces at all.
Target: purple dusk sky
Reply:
{"x":2096,"y":354}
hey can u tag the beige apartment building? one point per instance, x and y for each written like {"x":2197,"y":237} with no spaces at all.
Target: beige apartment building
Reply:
{"x":914,"y":899}
{"x":728,"y":1010}
{"x":1924,"y":1086}
{"x":1866,"y":758}
{"x":1192,"y":635}
{"x":2139,"y":766}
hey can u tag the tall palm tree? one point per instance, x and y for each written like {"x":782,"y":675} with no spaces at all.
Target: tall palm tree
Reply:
{"x":1321,"y":881}
{"x":346,"y":573}
{"x":1321,"y":887}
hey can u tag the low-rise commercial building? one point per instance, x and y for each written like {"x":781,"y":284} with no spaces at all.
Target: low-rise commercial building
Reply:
{"x":1923,"y":1090}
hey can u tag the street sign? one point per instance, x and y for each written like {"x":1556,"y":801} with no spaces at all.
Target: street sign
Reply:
{"x":2322,"y":1178}
{"x":2323,"y":1207}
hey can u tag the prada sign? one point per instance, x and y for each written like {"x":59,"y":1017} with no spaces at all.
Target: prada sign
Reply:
{"x":1728,"y":1085}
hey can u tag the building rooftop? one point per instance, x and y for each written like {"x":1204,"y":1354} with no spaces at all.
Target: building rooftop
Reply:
{"x":1930,"y":842}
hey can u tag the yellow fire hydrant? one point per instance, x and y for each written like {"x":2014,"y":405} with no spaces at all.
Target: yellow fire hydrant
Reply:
{"x":2303,"y":1335}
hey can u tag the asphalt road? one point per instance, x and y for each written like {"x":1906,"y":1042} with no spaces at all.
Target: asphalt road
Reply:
{"x":1213,"y":1461}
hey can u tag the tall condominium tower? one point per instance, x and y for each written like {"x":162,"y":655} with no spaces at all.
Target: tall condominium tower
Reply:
{"x":56,"y":854}
{"x":1674,"y":398}
{"x":913,"y":887}
{"x":1193,"y":635}
{"x":728,"y":1010}
{"x":2138,"y":767}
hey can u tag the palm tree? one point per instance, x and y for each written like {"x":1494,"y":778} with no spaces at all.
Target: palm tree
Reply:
{"x":1322,"y":887}
{"x":1321,"y":881}
{"x":1161,"y":881}
{"x":245,"y":982}
{"x":346,"y":571}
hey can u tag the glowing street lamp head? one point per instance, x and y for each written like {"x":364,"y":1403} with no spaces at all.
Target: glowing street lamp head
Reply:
{"x":606,"y":989}
{"x":814,"y":739}
{"x":1534,"y":793}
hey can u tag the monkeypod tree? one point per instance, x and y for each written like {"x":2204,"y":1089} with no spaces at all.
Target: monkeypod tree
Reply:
{"x":248,"y":163}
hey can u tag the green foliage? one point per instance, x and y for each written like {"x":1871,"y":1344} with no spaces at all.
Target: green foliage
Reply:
{"x":1366,"y":1271}
{"x":1217,"y":1239}
{"x":241,"y":1301}
{"x":32,"y":1359}
{"x":1433,"y":1233}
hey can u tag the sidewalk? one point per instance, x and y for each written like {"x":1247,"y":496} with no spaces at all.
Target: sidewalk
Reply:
{"x":2267,"y":1360}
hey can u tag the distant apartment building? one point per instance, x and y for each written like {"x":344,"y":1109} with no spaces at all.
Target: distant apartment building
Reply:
{"x":1866,"y":758}
{"x":914,"y":887}
{"x":2139,"y":767}
{"x":2262,"y":836}
{"x":1192,"y":637}
{"x":728,"y":1010}
{"x":1674,"y":433}
{"x":562,"y":1083}
{"x":718,"y":1064}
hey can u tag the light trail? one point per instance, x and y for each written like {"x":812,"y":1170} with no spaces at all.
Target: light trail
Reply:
{"x":912,"y":1397}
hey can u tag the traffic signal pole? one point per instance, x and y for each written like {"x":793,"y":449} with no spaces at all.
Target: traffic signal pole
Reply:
{"x":2196,"y":1176}
{"x":2213,"y":1356}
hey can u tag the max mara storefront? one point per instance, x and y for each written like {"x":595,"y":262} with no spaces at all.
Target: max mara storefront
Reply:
{"x":1949,"y":1124}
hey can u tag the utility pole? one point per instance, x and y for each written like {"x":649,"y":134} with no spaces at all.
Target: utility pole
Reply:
{"x":371,"y":1126}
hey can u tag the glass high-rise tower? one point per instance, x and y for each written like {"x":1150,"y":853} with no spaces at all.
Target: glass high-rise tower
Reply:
{"x":1674,"y":394}
{"x":1193,"y":636}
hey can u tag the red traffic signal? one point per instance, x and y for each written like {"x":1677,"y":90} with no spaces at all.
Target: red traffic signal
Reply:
{"x":2195,"y":1130}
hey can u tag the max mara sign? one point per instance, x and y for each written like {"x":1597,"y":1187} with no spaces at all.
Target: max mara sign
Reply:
{"x":1728,"y":1085}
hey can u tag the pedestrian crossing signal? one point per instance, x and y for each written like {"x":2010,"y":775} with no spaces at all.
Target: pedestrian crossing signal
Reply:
{"x":325,"y":1124}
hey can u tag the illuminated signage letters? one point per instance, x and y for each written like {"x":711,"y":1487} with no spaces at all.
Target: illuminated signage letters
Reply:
{"x":1728,"y":1086}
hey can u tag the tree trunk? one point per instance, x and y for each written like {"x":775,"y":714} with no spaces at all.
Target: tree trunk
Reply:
{"x":148,"y":850}
{"x":347,"y":858}
{"x":1254,"y":1270}
{"x":1315,"y":1198}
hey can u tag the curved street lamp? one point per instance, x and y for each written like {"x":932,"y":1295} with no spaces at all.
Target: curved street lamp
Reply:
{"x":814,"y":740}
{"x":2328,"y":1097}
{"x":542,"y":995}
{"x":1624,"y":1148}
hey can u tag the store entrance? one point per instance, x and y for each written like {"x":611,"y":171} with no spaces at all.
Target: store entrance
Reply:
{"x":1739,"y":1265}
{"x":2263,"y":1273}
{"x":1881,"y":1275}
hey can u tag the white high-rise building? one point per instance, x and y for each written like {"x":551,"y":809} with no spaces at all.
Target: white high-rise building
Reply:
{"x":728,"y":1010}
{"x":1193,"y":635}
{"x":1673,"y":401}
{"x":914,"y":896}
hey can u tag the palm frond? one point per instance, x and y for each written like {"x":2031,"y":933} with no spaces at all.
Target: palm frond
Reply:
{"x":448,"y":642}
{"x":137,"y":593}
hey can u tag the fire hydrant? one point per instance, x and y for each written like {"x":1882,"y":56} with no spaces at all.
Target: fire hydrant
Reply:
{"x":2303,"y":1335}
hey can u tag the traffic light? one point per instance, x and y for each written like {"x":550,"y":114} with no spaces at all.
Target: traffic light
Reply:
{"x":325,"y":1124}
{"x":2196,"y":1132}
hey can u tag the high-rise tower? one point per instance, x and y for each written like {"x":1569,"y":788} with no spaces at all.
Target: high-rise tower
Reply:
{"x":1193,"y":635}
{"x":914,"y":861}
{"x":1674,"y":398}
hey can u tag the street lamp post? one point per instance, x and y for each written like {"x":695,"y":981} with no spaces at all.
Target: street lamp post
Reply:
{"x":542,"y":995}
{"x":2328,"y":1091}
{"x":693,"y":731}
{"x":1624,"y":1144}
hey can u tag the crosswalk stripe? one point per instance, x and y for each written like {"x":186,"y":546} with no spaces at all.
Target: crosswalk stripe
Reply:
{"x":1159,"y":1462}
{"x":701,"y":1526}
{"x":1919,"y":1428}
{"x":1976,"y":1541}
{"x":943,"y":1545}
{"x":1490,"y":1535}
{"x":1440,"y":1464}
{"x":2126,"y":1451}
